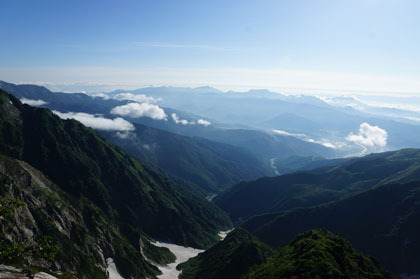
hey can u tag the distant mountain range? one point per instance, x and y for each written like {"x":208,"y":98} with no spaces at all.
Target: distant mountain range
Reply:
{"x":307,"y":116}
{"x":205,"y":166}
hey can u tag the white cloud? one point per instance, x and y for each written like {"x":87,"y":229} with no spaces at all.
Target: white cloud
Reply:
{"x":284,"y":133}
{"x":369,"y":136}
{"x":136,"y":110}
{"x":97,"y":122}
{"x":35,"y":103}
{"x":125,"y":135}
{"x":181,"y":121}
{"x":413,"y":118}
{"x":100,"y":95}
{"x":203,"y":122}
{"x":141,"y":98}
{"x":328,"y":143}
{"x":177,"y":120}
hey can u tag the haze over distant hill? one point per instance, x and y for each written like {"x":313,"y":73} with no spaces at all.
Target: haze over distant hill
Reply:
{"x":329,"y":183}
{"x":348,"y":129}
{"x":115,"y":117}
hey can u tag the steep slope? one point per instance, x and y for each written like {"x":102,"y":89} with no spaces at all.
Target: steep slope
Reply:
{"x":319,"y":254}
{"x":84,"y":236}
{"x":382,"y":222}
{"x":309,"y":188}
{"x":84,"y":165}
{"x":211,"y":166}
{"x":228,"y":259}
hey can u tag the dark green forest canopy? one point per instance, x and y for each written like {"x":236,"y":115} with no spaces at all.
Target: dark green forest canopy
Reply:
{"x":85,"y":165}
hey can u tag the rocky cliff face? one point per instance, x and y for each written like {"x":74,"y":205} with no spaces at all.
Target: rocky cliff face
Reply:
{"x":85,"y":236}
{"x":10,"y":272}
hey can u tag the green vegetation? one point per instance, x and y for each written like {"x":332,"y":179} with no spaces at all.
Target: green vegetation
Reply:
{"x":299,"y":163}
{"x":319,"y":254}
{"x":84,"y":165}
{"x":372,"y":201}
{"x":18,"y":253}
{"x":7,"y":205}
{"x":382,"y":222}
{"x":211,"y":167}
{"x":311,"y":188}
{"x":105,"y":201}
{"x":206,"y":167}
{"x":228,"y":259}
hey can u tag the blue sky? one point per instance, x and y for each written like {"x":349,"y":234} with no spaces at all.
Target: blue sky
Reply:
{"x":367,"y":46}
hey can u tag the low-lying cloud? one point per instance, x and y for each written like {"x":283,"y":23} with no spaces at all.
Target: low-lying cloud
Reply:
{"x":136,"y":110}
{"x":369,"y":136}
{"x":324,"y":142}
{"x":34,"y":103}
{"x":98,"y":122}
{"x":203,"y":122}
{"x":177,"y":120}
{"x":100,"y":95}
{"x":141,"y":98}
{"x":125,"y":135}
{"x":284,"y":133}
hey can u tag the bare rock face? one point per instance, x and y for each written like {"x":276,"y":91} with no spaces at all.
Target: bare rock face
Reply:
{"x":43,"y":275}
{"x":81,"y":231}
{"x":45,"y":212}
{"x":9,"y":272}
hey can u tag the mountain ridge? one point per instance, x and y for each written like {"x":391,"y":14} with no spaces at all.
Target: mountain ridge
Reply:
{"x":325,"y":184}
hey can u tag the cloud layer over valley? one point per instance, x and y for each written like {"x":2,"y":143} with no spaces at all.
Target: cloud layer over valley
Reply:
{"x":369,"y":136}
{"x":35,"y":103}
{"x":136,"y":110}
{"x":98,"y":122}
{"x":177,"y":120}
{"x":140,"y":98}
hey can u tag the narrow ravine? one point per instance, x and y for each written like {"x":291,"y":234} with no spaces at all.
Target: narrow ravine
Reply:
{"x":182,"y":254}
